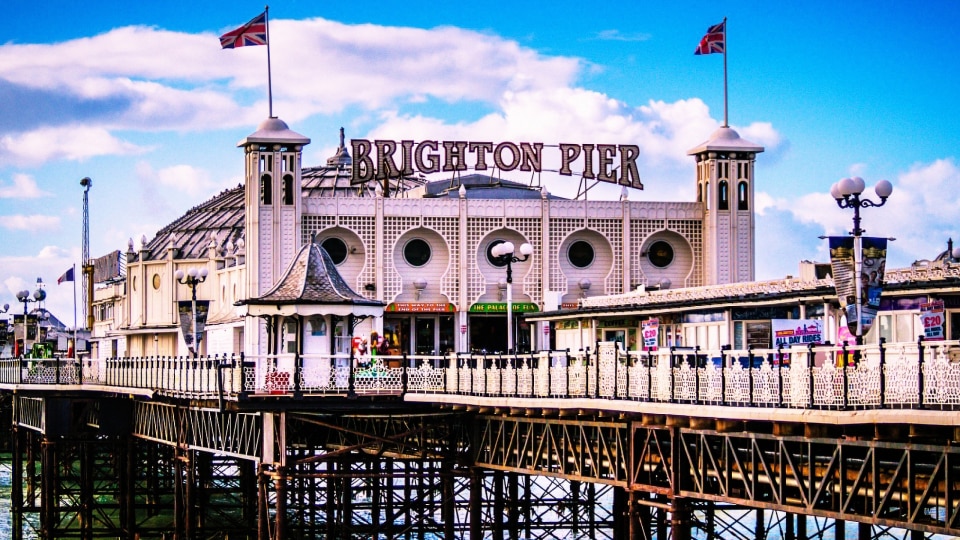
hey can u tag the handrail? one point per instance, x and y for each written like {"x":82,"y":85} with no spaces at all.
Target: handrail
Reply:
{"x":915,"y":375}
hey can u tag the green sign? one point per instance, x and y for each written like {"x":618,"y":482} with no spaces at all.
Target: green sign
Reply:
{"x":501,"y":307}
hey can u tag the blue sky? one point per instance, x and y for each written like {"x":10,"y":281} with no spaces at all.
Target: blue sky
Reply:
{"x":140,"y":97}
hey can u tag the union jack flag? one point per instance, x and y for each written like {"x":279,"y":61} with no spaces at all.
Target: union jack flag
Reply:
{"x":715,"y":41}
{"x":252,"y":33}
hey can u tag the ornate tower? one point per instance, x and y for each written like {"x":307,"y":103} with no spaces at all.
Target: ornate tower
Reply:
{"x":725,"y":172}
{"x":273,"y":210}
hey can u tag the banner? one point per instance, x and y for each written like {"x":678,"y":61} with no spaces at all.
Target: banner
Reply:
{"x":845,"y":278}
{"x":185,"y":309}
{"x":789,"y":332}
{"x":651,"y":330}
{"x":932,"y":316}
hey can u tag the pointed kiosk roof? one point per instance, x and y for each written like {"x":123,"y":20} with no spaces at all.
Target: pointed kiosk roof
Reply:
{"x":311,"y":285}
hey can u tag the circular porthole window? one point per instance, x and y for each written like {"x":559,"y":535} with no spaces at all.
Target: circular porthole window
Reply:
{"x":660,"y":254}
{"x":156,"y":281}
{"x":580,"y":254}
{"x":416,"y":252}
{"x":336,"y":248}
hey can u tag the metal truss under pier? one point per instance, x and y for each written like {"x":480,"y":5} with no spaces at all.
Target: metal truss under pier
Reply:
{"x":91,"y":466}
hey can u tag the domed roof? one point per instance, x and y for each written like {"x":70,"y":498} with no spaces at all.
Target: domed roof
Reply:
{"x":725,"y":139}
{"x":274,"y":130}
{"x":218,"y":221}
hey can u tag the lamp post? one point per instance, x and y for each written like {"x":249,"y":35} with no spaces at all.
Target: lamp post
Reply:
{"x":847,"y":192}
{"x":4,"y":328}
{"x":192,"y":278}
{"x":25,"y":297}
{"x":503,"y":254}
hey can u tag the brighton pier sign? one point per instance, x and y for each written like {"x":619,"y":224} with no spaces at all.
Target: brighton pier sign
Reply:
{"x":381,"y":159}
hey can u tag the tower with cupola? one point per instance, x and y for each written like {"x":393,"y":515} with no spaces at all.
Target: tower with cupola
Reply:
{"x":273,"y":186}
{"x":725,"y":175}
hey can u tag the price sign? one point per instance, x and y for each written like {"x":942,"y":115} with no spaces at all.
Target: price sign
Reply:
{"x":932,"y":317}
{"x":651,"y":328}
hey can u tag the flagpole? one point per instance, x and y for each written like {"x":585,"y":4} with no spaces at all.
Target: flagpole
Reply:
{"x":266,"y":22}
{"x":725,"y":122}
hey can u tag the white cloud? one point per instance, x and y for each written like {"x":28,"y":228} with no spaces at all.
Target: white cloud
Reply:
{"x":23,"y":187}
{"x":142,"y":78}
{"x":33,"y":223}
{"x":63,"y":142}
{"x":615,"y":35}
{"x":186,"y":180}
{"x":920,"y":214}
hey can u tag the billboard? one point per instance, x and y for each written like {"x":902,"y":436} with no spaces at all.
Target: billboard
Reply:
{"x":107,"y":267}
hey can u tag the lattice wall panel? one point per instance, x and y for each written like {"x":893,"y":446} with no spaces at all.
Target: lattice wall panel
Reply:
{"x":393,"y":229}
{"x":477,"y":229}
{"x":744,"y":248}
{"x":612,"y":230}
{"x":531,"y":230}
{"x":449,"y":229}
{"x":362,"y":226}
{"x":311,"y":225}
{"x":560,"y":228}
{"x":723,"y":242}
{"x":366,"y":228}
{"x":692,"y":230}
{"x":640,"y":230}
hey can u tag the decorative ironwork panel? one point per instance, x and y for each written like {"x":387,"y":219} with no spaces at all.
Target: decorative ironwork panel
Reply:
{"x":576,"y":450}
{"x":228,"y":433}
{"x":912,"y":486}
{"x":29,"y":412}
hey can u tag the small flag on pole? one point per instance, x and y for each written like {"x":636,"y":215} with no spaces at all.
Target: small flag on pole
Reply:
{"x":67,"y":276}
{"x":252,"y":33}
{"x":713,"y":42}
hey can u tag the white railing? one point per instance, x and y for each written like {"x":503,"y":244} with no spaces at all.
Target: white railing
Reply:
{"x":901,"y":375}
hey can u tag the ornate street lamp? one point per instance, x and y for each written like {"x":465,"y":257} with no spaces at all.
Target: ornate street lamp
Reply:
{"x":39,"y":295}
{"x":847,"y":192}
{"x":24,"y":296}
{"x":192,"y":278}
{"x":503,"y":253}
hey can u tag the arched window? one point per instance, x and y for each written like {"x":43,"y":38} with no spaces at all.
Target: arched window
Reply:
{"x":266,"y":190}
{"x":724,"y":203}
{"x":288,"y":189}
{"x":742,"y":203}
{"x":706,"y":192}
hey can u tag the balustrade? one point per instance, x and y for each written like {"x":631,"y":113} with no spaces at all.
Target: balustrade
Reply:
{"x":901,"y":375}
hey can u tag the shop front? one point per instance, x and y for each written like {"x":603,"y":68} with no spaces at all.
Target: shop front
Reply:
{"x":420,"y":328}
{"x":488,"y":326}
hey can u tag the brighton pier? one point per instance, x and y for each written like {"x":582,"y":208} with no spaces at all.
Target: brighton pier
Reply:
{"x":605,"y":444}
